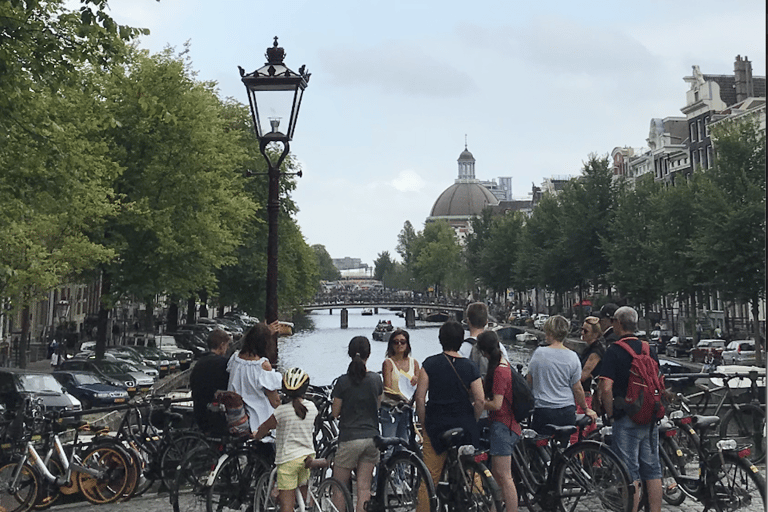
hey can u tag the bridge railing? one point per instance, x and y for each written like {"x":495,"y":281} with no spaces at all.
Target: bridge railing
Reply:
{"x":373,"y":298}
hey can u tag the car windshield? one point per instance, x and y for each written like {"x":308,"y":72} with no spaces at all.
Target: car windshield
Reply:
{"x":109,"y":366}
{"x":88,"y":378}
{"x":37,"y":383}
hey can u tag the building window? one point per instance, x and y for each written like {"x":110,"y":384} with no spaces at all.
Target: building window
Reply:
{"x":693,"y":132}
{"x":706,"y":126}
{"x":701,"y":131}
{"x":694,"y":159}
{"x":710,"y":156}
{"x":701,"y":158}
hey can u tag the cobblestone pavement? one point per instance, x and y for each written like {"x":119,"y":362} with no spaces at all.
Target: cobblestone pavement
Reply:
{"x":159,"y":502}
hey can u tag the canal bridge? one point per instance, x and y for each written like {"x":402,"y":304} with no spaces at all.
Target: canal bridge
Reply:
{"x":411,"y":307}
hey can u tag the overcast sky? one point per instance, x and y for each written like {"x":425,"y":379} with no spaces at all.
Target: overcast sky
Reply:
{"x":396,"y":85}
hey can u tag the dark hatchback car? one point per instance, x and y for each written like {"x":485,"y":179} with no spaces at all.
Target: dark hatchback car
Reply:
{"x":110,"y":371}
{"x":16,"y":385}
{"x":91,"y":390}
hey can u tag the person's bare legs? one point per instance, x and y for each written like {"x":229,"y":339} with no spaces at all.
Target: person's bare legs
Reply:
{"x":364,"y":478}
{"x":343,"y":475}
{"x":654,"y":490}
{"x":501,"y":467}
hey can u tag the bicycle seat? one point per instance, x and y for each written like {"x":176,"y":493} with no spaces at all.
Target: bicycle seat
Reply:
{"x":385,"y":442}
{"x":561,"y":431}
{"x":705,"y":421}
{"x":453,"y":437}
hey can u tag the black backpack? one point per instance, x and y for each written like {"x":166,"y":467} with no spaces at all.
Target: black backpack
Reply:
{"x":522,"y":396}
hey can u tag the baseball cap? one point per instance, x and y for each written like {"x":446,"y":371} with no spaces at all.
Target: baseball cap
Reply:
{"x":608,"y":310}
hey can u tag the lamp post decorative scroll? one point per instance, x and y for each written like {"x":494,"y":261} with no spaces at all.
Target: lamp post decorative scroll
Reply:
{"x":274,"y":94}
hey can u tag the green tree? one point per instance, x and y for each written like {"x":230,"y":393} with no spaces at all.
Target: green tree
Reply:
{"x":185,"y":204}
{"x":382,"y":265}
{"x":55,"y":185}
{"x":327,"y":270}
{"x":729,"y":244}
{"x":500,"y":252}
{"x":633,"y":251}
{"x":437,"y":255}
{"x":405,"y":241}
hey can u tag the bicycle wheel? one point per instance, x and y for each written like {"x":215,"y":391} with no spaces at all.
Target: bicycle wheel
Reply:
{"x":234,"y":481}
{"x":331,"y":496}
{"x":109,"y":486}
{"x":746,"y":426}
{"x":405,"y":475}
{"x":473,"y":491}
{"x":591,"y":477}
{"x":174,"y":452}
{"x":738,"y":486}
{"x":188,"y":492}
{"x":265,"y":495}
{"x":49,"y":492}
{"x":688,"y":455}
{"x":529,"y":470}
{"x":21,"y":495}
{"x":134,"y":473}
{"x":672,"y":493}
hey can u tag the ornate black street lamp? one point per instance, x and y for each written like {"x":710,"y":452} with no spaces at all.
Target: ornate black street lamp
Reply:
{"x":274,"y":94}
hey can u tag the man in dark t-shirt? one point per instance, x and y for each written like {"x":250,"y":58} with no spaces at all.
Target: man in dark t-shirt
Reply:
{"x":637,"y":445}
{"x":208,"y":376}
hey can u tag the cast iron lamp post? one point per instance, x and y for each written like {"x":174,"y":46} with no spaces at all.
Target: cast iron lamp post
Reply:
{"x":274,"y":94}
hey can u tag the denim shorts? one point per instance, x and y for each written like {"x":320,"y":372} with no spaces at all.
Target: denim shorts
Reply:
{"x":638,"y":447}
{"x":502,"y":439}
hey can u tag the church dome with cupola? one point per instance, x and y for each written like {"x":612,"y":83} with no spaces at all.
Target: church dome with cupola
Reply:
{"x":466,"y":198}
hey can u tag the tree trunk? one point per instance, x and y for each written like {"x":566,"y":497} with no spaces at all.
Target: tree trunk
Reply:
{"x":173,"y":317}
{"x":191,"y":310}
{"x":24,"y":341}
{"x":103,"y":318}
{"x":759,"y":355}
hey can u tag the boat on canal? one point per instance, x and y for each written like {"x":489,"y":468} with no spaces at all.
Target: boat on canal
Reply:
{"x":383,"y":330}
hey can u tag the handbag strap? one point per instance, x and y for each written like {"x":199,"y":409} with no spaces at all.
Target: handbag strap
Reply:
{"x":458,"y":376}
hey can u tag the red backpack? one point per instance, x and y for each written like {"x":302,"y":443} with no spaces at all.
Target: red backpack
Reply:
{"x":645,"y":389}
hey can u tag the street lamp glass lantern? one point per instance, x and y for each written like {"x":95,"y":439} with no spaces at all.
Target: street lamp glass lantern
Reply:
{"x":274,"y":94}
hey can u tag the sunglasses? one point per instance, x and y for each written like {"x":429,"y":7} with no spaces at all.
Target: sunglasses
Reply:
{"x":399,"y":342}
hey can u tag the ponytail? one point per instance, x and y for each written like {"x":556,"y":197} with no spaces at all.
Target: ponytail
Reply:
{"x":359,"y":350}
{"x":299,"y":408}
{"x":488,"y":343}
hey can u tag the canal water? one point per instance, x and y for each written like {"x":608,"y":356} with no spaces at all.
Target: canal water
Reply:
{"x":319,"y":344}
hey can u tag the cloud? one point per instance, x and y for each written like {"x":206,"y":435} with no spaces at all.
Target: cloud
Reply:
{"x":395,"y":67}
{"x":408,"y":181}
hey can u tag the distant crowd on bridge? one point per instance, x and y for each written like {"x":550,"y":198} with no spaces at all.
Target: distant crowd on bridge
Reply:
{"x":384,"y":297}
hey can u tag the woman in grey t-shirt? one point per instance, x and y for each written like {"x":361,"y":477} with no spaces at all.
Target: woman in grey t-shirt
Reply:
{"x":554,"y":374}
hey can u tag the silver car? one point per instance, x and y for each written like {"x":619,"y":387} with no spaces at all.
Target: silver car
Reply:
{"x":740,"y":352}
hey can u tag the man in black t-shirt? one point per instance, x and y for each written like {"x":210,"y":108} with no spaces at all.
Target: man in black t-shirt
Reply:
{"x":208,"y":376}
{"x":637,"y":445}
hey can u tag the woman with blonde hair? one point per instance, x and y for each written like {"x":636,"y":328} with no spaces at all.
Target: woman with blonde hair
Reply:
{"x":554,"y":374}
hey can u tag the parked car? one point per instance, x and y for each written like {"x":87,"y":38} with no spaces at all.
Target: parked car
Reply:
{"x":540,"y":319}
{"x":706,"y":350}
{"x":16,"y":385}
{"x":679,"y":346}
{"x":90,"y":389}
{"x":192,"y":341}
{"x":112,"y":371}
{"x":740,"y":352}
{"x":168,"y":345}
{"x":155,"y":357}
{"x":135,"y":366}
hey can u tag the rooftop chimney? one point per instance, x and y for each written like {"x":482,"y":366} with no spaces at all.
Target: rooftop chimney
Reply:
{"x":742,"y":69}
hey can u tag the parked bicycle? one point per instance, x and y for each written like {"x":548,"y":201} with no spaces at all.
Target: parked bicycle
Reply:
{"x":549,"y":475}
{"x":726,"y":479}
{"x":323,"y":495}
{"x":101,"y":473}
{"x":401,"y":477}
{"x":465,"y":483}
{"x":744,"y":420}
